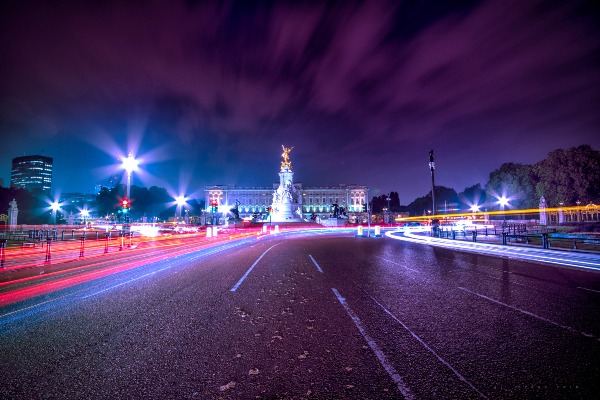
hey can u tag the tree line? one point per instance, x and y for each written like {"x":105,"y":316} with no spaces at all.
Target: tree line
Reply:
{"x":566,"y":176}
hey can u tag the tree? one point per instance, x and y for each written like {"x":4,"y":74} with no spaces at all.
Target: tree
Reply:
{"x":443,"y":196}
{"x":32,"y":209}
{"x":472,"y":195}
{"x":515,"y":181}
{"x":568,"y":176}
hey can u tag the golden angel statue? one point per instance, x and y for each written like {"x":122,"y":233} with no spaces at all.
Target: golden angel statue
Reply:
{"x":286,"y":157}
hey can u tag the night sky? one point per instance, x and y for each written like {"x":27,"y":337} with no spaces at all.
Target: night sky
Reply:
{"x":207,"y":92}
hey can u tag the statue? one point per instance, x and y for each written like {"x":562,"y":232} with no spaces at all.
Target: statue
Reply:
{"x":286,"y":158}
{"x":13,"y":212}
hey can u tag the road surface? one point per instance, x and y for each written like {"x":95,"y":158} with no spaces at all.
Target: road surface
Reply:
{"x":309,"y":316}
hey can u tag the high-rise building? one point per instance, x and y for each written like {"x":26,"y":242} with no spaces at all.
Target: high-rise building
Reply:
{"x":33,"y":173}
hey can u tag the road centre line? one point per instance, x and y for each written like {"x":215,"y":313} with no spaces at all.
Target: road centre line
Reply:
{"x":591,"y":290}
{"x":588,"y":335}
{"x":316,"y":265}
{"x":458,"y":374}
{"x":237,"y":285}
{"x":380,"y":355}
{"x":397,"y":263}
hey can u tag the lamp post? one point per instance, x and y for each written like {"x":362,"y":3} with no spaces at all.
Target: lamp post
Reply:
{"x":54,"y":206}
{"x":129,"y":164}
{"x":474,"y":210}
{"x":388,"y":208}
{"x":85,"y":213}
{"x":180,"y":201}
{"x":503,"y":201}
{"x":432,"y":168}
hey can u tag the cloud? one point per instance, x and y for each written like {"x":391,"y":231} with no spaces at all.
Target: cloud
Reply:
{"x":376,"y":78}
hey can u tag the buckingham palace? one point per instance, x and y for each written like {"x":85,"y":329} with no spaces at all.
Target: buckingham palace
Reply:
{"x":313,"y":201}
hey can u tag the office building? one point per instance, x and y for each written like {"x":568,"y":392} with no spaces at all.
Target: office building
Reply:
{"x":33,"y":173}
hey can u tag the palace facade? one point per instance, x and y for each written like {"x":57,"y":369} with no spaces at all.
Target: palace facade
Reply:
{"x":313,"y":201}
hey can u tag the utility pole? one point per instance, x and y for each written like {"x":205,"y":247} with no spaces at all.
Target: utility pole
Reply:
{"x":432,"y":168}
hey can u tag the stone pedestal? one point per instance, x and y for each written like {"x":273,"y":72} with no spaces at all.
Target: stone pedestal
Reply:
{"x":286,"y":205}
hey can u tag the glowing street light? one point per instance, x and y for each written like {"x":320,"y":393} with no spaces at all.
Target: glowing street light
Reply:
{"x":129,"y":164}
{"x":503,"y":201}
{"x":180,"y":201}
{"x":54,"y":206}
{"x":474,"y":208}
{"x":85,"y":213}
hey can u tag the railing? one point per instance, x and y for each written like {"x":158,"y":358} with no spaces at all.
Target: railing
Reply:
{"x":535,"y":236}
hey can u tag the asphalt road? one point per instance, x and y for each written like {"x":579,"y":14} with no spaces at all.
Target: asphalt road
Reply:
{"x":314,"y":316}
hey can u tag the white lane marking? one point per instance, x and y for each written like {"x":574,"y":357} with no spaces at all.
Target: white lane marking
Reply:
{"x":316,"y":265}
{"x":126,"y":282}
{"x":591,"y":290}
{"x":458,"y":374}
{"x":396,"y":263}
{"x":589,"y":335}
{"x":380,"y":355}
{"x":237,"y":285}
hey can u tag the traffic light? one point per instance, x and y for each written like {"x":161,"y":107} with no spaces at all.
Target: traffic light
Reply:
{"x":125,"y":206}
{"x":270,"y":210}
{"x":364,"y":207}
{"x":213,"y":206}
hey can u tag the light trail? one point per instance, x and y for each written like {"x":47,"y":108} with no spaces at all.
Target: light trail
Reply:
{"x":555,"y":257}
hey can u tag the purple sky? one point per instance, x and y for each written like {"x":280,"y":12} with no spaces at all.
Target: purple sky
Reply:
{"x":207,"y":92}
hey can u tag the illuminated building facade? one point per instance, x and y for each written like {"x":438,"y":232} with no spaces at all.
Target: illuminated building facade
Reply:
{"x":33,"y":173}
{"x":316,"y":201}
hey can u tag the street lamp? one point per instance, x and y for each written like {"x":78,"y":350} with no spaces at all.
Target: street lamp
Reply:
{"x":180,"y":201}
{"x":54,"y":206}
{"x":129,"y":164}
{"x":388,"y":209}
{"x":85,"y":213}
{"x":503,"y":201}
{"x":432,"y":168}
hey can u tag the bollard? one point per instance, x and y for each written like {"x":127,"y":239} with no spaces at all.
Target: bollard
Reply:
{"x":504,"y":238}
{"x":2,"y":252}
{"x":209,"y":232}
{"x":106,"y":244}
{"x":276,"y":228}
{"x":215,"y":230}
{"x":122,"y":241}
{"x":130,"y":239}
{"x":264,"y":229}
{"x":474,"y":236}
{"x":453,"y":234}
{"x":82,"y":248}
{"x":545,"y":243}
{"x":359,"y":231}
{"x":73,"y":234}
{"x":62,"y":235}
{"x":377,"y":231}
{"x":97,"y":233}
{"x":574,"y":244}
{"x":48,"y":251}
